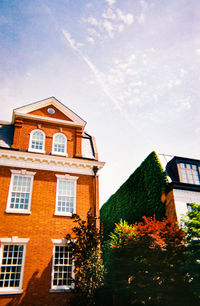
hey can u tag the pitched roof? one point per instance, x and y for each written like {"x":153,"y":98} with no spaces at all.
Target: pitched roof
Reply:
{"x":26,"y":111}
{"x":6,"y":134}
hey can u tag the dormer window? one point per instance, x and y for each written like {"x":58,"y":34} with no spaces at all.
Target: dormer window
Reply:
{"x":59,"y":144}
{"x":189,"y":173}
{"x":37,"y":141}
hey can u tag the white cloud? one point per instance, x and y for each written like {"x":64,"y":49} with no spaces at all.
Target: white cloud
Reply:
{"x":91,"y":20}
{"x":108,"y":26}
{"x":126,"y":18}
{"x":144,"y":5}
{"x":110,"y":2}
{"x":90,"y":40}
{"x":141,"y":18}
{"x":111,"y":21}
{"x":109,"y":14}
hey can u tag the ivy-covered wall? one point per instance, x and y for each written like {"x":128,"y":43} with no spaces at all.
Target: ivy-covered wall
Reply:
{"x":139,"y":196}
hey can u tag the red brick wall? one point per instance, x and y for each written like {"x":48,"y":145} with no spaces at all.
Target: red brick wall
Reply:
{"x":170,"y":205}
{"x":24,"y":127}
{"x":44,"y":113}
{"x":40,"y":226}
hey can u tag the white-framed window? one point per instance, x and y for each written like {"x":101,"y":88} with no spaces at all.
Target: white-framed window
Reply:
{"x":20,"y":192}
{"x":12,"y":260}
{"x":189,"y":173}
{"x":37,"y":141}
{"x":62,"y":266}
{"x":59,"y":144}
{"x":66,"y":195}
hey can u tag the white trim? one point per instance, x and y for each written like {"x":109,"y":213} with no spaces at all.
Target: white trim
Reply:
{"x":13,"y":241}
{"x":22,"y":172}
{"x":67,"y":177}
{"x":65,"y":145}
{"x":18,"y":210}
{"x":60,"y":242}
{"x":30,"y":149}
{"x":11,"y":158}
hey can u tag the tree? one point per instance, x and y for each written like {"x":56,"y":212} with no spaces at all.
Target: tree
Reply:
{"x":85,"y":248}
{"x":192,"y":228}
{"x":146,"y":262}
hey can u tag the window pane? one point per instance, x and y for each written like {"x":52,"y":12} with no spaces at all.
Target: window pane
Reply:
{"x":62,"y":269}
{"x":20,"y":193}
{"x":59,"y":143}
{"x":189,"y":173}
{"x":11,"y":269}
{"x":37,"y":142}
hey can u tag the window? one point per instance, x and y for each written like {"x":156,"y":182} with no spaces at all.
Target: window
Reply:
{"x":12,"y":258}
{"x":189,"y":173}
{"x":189,"y":207}
{"x":37,"y":141}
{"x":62,"y":267}
{"x":66,"y":195}
{"x":59,"y":144}
{"x":20,"y":192}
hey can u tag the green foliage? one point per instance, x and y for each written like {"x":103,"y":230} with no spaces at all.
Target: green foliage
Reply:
{"x":146,"y":267}
{"x":193,"y":222}
{"x":139,"y":196}
{"x":121,"y":234}
{"x":85,"y":248}
{"x":192,"y":226}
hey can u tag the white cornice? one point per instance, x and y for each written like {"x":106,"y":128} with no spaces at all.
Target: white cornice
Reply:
{"x":11,"y":158}
{"x":48,"y":119}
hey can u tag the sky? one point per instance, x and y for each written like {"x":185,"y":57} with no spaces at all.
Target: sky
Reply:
{"x":130,"y":68}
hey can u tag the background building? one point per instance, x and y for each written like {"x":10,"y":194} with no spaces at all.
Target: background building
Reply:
{"x":49,"y":171}
{"x":163,"y":185}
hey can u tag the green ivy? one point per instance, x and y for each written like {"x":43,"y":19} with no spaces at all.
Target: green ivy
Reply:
{"x":139,"y":196}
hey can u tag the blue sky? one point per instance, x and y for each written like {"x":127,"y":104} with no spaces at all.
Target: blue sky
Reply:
{"x":130,"y":68}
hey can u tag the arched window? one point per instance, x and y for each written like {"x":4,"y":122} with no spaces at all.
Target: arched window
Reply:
{"x":37,"y":141}
{"x":59,"y":144}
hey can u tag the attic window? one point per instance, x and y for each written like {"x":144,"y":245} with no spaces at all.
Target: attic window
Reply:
{"x":51,"y":111}
{"x":189,"y":173}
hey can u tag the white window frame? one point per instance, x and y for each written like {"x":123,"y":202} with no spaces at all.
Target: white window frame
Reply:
{"x":13,"y":241}
{"x":56,"y":152}
{"x":30,"y":149}
{"x":66,"y":177}
{"x":19,"y":173}
{"x":60,"y":242}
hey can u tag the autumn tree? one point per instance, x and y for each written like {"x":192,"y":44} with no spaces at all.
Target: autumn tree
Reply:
{"x":146,"y":261}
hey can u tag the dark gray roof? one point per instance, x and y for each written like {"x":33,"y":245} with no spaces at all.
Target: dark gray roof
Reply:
{"x":6,"y":134}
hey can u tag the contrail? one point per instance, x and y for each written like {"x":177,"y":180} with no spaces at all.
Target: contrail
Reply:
{"x":92,"y":67}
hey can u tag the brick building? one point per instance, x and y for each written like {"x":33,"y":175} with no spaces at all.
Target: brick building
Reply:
{"x":49,"y":170}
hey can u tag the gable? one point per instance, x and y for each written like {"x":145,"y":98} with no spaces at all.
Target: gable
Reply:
{"x":44,"y":112}
{"x":39,"y":111}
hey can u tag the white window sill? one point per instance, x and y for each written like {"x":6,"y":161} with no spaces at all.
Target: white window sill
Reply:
{"x":55,"y":290}
{"x":18,"y":211}
{"x":60,"y":154}
{"x":65,"y":214}
{"x":19,"y":291}
{"x":36,"y":151}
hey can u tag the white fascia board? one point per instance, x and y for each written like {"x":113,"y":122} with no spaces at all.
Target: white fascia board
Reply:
{"x":48,"y":119}
{"x":11,"y":158}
